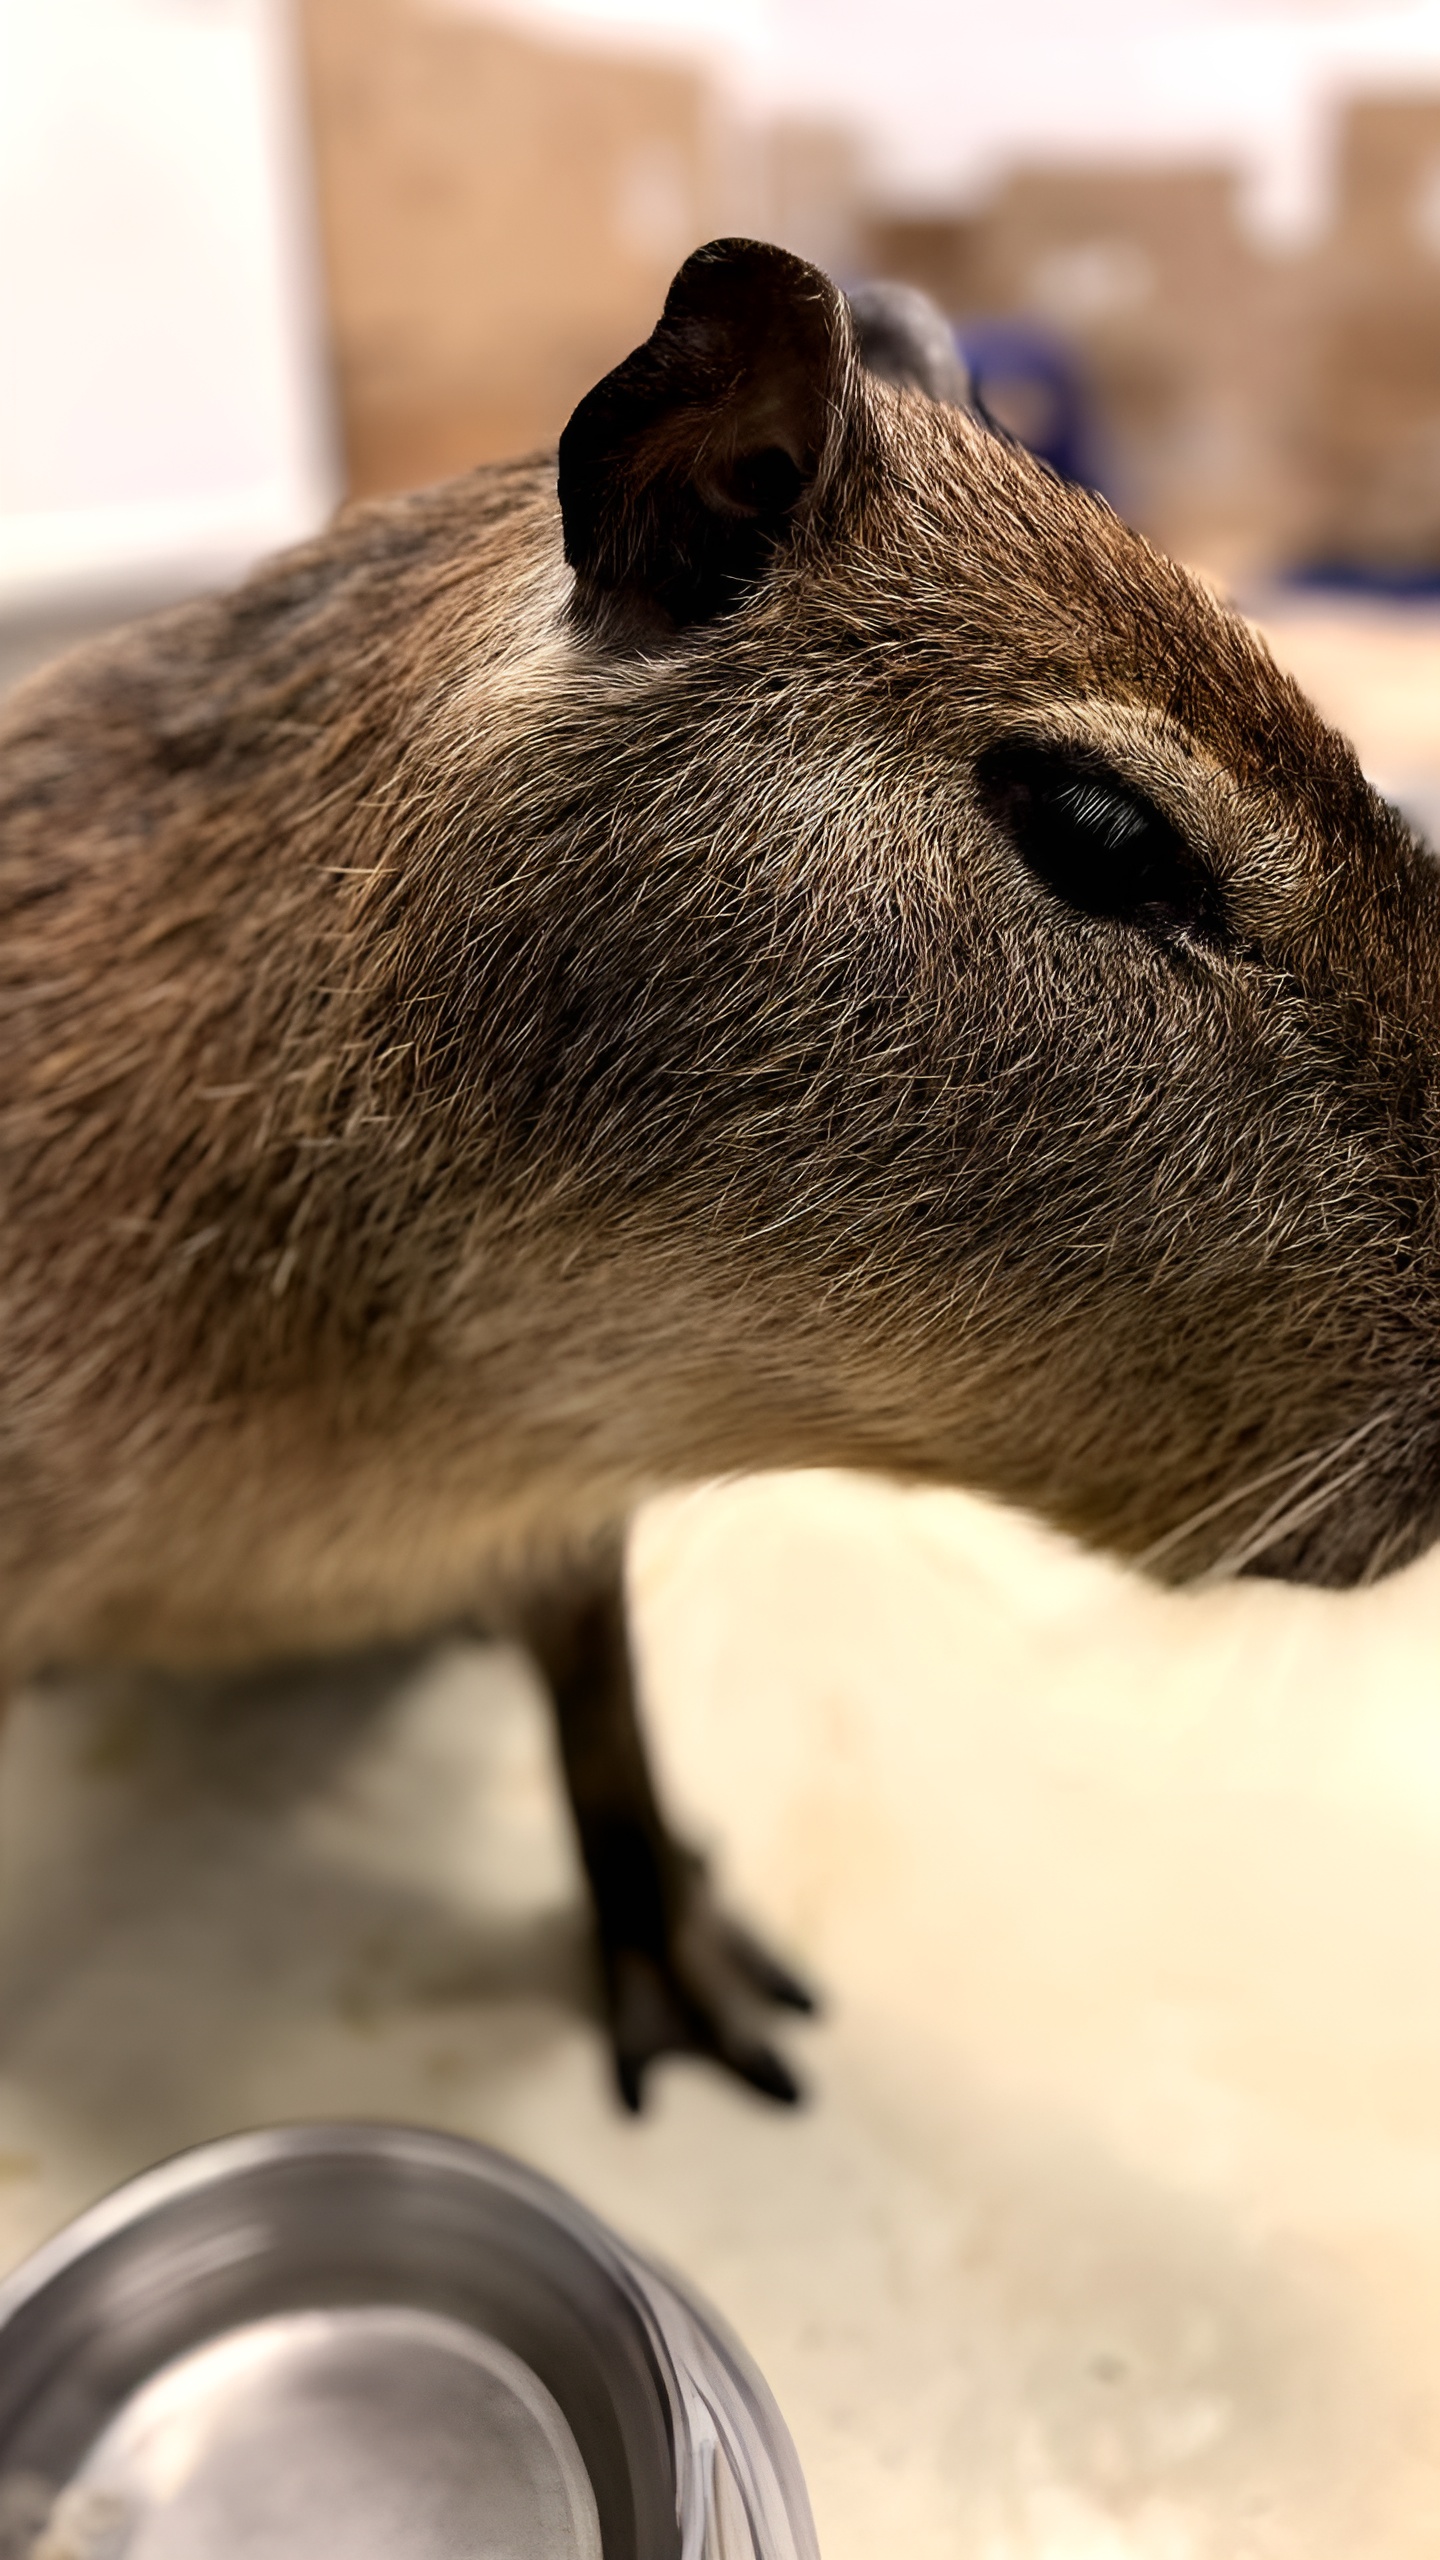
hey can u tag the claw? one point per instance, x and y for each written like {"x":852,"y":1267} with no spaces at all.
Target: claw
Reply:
{"x":765,"y":2071}
{"x":630,"y":2080}
{"x":770,"y":1978}
{"x":697,"y":1993}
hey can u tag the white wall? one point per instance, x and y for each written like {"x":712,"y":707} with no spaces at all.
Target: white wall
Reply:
{"x":163,"y":419}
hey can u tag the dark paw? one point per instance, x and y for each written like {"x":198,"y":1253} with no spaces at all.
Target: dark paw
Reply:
{"x":707,"y":1989}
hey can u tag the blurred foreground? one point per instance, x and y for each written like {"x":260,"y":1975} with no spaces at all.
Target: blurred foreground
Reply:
{"x":1115,"y":2226}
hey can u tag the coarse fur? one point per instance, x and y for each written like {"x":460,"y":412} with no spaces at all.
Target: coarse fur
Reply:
{"x":490,"y":1036}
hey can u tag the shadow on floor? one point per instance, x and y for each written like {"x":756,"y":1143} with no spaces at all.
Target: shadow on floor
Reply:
{"x":225,"y":1898}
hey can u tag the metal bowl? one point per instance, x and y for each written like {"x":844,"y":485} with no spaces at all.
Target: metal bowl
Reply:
{"x":372,"y":2343}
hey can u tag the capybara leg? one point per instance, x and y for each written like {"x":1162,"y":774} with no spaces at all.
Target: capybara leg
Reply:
{"x":679,"y":1976}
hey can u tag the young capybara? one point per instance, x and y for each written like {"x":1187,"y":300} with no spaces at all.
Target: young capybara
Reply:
{"x":807,"y":944}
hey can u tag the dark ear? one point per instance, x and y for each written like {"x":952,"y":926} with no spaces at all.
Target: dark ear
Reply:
{"x":906,"y":339}
{"x":682,"y":471}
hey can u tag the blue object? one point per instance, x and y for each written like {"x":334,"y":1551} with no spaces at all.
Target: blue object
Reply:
{"x":1034,"y":374}
{"x":1352,"y":578}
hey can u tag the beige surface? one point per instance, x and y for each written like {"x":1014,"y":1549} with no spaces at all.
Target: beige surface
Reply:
{"x":1114,"y":2230}
{"x":1115,"y":2226}
{"x":1375,"y":669}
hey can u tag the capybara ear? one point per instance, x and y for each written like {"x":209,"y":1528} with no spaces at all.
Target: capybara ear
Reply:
{"x":906,"y":339}
{"x":683,"y":470}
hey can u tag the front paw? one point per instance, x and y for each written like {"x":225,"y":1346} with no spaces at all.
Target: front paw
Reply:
{"x":681,"y":1977}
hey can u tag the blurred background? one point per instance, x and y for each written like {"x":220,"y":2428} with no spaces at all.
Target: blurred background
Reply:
{"x":262,"y":253}
{"x":260,"y":250}
{"x":1115,"y":2231}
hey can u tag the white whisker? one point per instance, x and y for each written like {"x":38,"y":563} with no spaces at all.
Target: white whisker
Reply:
{"x":1271,"y":1532}
{"x":1389,"y":1542}
{"x":1209,"y":1511}
{"x":1302,"y":1471}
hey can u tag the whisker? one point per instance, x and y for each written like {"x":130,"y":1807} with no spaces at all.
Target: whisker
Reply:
{"x":1312,"y":1461}
{"x":1384,"y":1548}
{"x":1280,"y":1522}
{"x":1281,"y":1516}
{"x":1224,"y":1502}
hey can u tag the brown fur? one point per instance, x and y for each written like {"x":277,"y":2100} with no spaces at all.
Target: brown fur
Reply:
{"x":470,"y":1063}
{"x":455,"y":1085}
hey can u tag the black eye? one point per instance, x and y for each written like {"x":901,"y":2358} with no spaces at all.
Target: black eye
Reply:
{"x":1099,"y":844}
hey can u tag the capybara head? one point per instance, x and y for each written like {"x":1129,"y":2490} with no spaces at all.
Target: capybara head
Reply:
{"x":1033,"y":1006}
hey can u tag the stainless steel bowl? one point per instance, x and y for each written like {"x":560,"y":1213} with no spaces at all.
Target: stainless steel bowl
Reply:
{"x":371,"y":2343}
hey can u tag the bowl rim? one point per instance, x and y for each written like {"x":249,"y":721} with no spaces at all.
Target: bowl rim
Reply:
{"x":730,"y":2447}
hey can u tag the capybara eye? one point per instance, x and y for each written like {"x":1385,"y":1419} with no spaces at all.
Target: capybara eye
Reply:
{"x":1098,"y":843}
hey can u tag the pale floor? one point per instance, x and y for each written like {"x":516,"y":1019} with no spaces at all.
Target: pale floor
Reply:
{"x":1113,"y":2230}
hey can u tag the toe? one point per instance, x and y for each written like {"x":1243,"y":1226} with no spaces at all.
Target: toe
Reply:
{"x":630,"y":2080}
{"x":765,"y":1974}
{"x":761,"y":2068}
{"x":704,"y":1993}
{"x":645,"y":2020}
